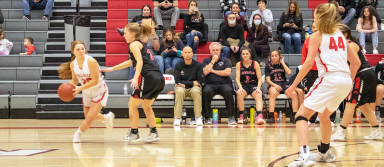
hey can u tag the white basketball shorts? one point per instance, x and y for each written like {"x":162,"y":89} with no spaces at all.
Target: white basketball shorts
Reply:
{"x":95,"y":95}
{"x":328,"y":92}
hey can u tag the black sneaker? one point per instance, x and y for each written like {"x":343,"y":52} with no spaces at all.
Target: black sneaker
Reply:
{"x":208,"y":121}
{"x":27,"y":17}
{"x":159,"y":27}
{"x":121,"y":31}
{"x":270,"y":119}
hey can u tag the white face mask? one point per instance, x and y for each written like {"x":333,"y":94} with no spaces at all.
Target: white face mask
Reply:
{"x":231,"y":22}
{"x":257,"y":22}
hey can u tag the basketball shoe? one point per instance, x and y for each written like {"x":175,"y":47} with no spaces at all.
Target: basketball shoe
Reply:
{"x":77,"y":136}
{"x":199,"y":121}
{"x":132,"y":137}
{"x":304,"y":160}
{"x":152,"y":137}
{"x":109,"y":120}
{"x":320,"y":157}
{"x":260,"y":120}
{"x":339,"y":135}
{"x":375,"y":135}
{"x":241,"y":119}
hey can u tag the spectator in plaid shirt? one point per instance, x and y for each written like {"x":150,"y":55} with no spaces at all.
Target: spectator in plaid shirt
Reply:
{"x":226,"y":6}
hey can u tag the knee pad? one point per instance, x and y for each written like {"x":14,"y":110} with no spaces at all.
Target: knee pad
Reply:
{"x":301,"y":118}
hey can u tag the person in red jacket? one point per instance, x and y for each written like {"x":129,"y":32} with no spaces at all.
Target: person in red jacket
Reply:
{"x":29,"y":48}
{"x":312,"y":74}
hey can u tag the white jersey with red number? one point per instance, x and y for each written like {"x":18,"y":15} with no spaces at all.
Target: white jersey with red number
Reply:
{"x":332,"y":55}
{"x":84,"y":75}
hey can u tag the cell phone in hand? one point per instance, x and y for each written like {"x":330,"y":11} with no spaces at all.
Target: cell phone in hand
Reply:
{"x":169,"y":48}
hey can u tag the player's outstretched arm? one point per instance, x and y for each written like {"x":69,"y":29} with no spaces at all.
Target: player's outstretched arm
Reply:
{"x":120,"y":66}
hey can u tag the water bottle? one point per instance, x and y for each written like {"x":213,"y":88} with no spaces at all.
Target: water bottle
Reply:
{"x":252,"y":114}
{"x":215,"y":116}
{"x":284,"y":118}
{"x":184,"y":116}
{"x":125,"y":89}
{"x":337,"y":119}
{"x":358,"y":115}
{"x":310,"y":32}
{"x":280,"y":117}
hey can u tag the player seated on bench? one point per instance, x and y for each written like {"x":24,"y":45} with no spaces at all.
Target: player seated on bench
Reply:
{"x":275,"y":72}
{"x":300,"y":90}
{"x":249,"y":80}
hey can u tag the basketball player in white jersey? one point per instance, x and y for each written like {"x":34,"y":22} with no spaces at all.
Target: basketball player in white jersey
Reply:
{"x":328,"y":47}
{"x":85,"y":70}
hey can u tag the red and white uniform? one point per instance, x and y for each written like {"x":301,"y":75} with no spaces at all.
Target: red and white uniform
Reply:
{"x":95,"y":94}
{"x":334,"y":82}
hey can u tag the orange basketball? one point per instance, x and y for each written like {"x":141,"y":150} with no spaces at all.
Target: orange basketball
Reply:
{"x":65,"y":92}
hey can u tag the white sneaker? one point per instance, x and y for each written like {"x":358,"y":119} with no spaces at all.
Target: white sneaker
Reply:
{"x":132,"y":137}
{"x":333,"y":124}
{"x":364,"y":51}
{"x":320,"y":157}
{"x":199,"y":121}
{"x":375,"y":51}
{"x":304,"y":160}
{"x":375,"y":135}
{"x":109,"y":120}
{"x":176,"y":122}
{"x":339,"y":135}
{"x":77,"y":136}
{"x":152,"y":137}
{"x":357,"y":26}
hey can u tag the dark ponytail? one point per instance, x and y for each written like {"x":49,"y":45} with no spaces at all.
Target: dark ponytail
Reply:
{"x":346,"y":30}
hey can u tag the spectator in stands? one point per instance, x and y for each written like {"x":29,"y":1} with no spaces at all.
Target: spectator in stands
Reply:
{"x":217,"y":71}
{"x":166,"y":8}
{"x":188,"y":79}
{"x":1,"y":17}
{"x":239,"y":18}
{"x":171,"y":48}
{"x":193,"y":25}
{"x":275,"y":73}
{"x":291,"y":27}
{"x":249,"y":80}
{"x":5,"y":44}
{"x":367,"y":27}
{"x":378,"y":19}
{"x":226,"y":6}
{"x":232,"y":36}
{"x":153,"y":46}
{"x":265,"y":14}
{"x":29,"y":48}
{"x":146,"y":14}
{"x":346,"y":9}
{"x":258,"y":37}
{"x":47,"y":4}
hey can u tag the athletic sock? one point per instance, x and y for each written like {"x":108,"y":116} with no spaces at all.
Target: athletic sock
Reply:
{"x":377,"y":126}
{"x":343,"y":127}
{"x":79,"y":131}
{"x":134,"y":131}
{"x":153,"y":130}
{"x":258,"y":112}
{"x":305,"y":149}
{"x":324,"y":147}
{"x":377,"y":108}
{"x":241,"y":112}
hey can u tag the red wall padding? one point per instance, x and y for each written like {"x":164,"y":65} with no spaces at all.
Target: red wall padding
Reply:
{"x":115,"y":59}
{"x":203,"y":48}
{"x":117,"y":14}
{"x":112,"y":24}
{"x":117,"y":47}
{"x":201,"y":57}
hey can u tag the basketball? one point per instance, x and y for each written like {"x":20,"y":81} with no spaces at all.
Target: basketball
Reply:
{"x":65,"y":92}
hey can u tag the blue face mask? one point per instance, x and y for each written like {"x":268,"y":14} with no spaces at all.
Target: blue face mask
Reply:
{"x":257,"y":22}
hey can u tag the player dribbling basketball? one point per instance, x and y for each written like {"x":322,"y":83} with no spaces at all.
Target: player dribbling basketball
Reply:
{"x":328,"y":47}
{"x":85,"y":70}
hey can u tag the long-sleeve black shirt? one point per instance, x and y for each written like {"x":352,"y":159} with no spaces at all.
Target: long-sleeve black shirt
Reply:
{"x":1,"y":17}
{"x":193,"y":22}
{"x":186,"y":74}
{"x":236,"y":32}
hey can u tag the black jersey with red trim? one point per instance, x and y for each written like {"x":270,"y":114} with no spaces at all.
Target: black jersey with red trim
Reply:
{"x":276,"y":72}
{"x":363,"y":60}
{"x":248,"y":74}
{"x":148,"y":61}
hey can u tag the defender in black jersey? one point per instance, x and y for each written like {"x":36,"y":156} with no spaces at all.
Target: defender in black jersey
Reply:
{"x":249,"y":80}
{"x":147,"y":83}
{"x":362,"y":94}
{"x":379,"y":70}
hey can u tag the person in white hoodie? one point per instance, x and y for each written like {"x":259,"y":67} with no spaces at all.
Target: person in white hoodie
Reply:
{"x":266,"y":15}
{"x":5,"y":44}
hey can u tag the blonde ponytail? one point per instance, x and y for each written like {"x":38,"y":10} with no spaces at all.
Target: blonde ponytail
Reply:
{"x":328,"y":19}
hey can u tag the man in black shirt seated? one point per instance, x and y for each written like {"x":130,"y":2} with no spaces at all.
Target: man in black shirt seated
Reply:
{"x":232,"y":36}
{"x":188,"y":79}
{"x":217,"y":70}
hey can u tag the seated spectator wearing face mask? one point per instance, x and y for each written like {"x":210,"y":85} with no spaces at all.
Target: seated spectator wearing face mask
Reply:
{"x":258,"y":37}
{"x":230,"y":35}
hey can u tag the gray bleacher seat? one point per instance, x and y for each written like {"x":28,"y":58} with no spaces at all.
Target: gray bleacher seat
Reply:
{"x":206,"y":14}
{"x":118,"y":75}
{"x":9,"y":61}
{"x":31,"y":61}
{"x":16,"y":24}
{"x":18,"y":13}
{"x":168,"y":88}
{"x":37,"y":25}
{"x":18,"y":47}
{"x":38,"y":36}
{"x":117,"y":86}
{"x":28,"y":73}
{"x":4,"y":106}
{"x":5,"y":4}
{"x":40,"y":47}
{"x":118,"y":101}
{"x":14,"y":36}
{"x":293,"y":59}
{"x":16,"y":4}
{"x":133,"y":12}
{"x":25,"y":87}
{"x":6,"y":86}
{"x":23,"y":106}
{"x":8,"y":73}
